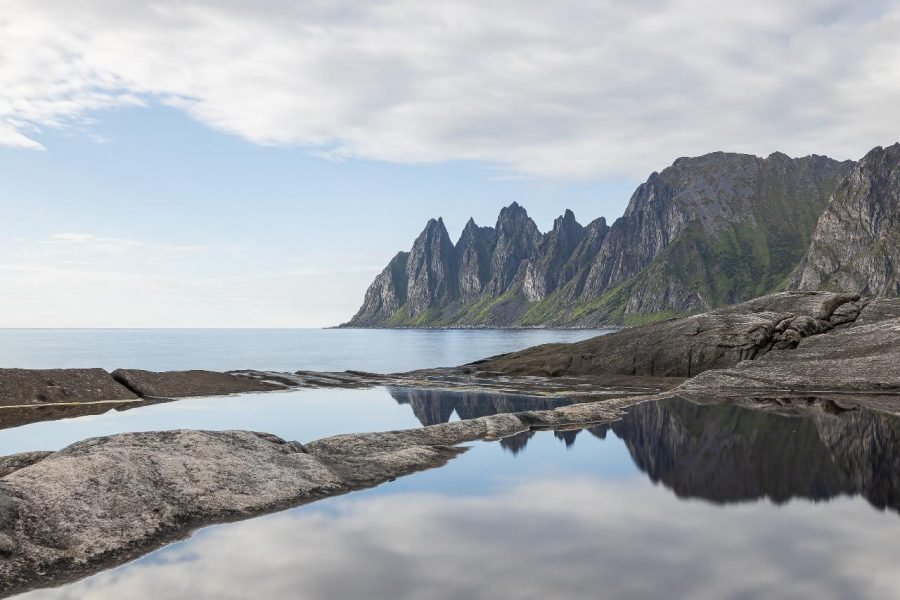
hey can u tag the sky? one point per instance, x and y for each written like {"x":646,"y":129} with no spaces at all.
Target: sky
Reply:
{"x":234,"y":164}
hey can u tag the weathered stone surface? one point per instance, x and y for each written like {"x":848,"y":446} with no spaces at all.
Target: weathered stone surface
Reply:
{"x":879,"y":309}
{"x":683,"y":347}
{"x":182,"y":384}
{"x":856,"y":245}
{"x":10,"y":464}
{"x":46,"y":386}
{"x":865,"y":358}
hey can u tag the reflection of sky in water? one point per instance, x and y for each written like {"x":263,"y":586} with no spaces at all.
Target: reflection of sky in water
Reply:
{"x":549,"y":522}
{"x":302,"y":415}
{"x":542,"y":514}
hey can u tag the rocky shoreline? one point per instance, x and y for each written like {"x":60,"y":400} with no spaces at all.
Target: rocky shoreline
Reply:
{"x":103,"y":501}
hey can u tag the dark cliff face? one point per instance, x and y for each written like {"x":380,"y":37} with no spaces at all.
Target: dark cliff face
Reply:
{"x":712,"y":230}
{"x":387,"y":294}
{"x":705,"y":232}
{"x":431,"y":270}
{"x":552,"y":264}
{"x":438,"y":282}
{"x":856,"y":245}
{"x":578,"y":267}
{"x":518,"y":239}
{"x":473,"y":258}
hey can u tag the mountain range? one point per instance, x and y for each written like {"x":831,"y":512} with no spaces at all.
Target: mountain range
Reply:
{"x":704,"y":232}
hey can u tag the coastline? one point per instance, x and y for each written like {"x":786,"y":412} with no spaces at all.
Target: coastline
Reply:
{"x":804,"y":353}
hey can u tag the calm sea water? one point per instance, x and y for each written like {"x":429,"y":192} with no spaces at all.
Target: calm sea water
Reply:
{"x":374,"y":350}
{"x":674,"y":501}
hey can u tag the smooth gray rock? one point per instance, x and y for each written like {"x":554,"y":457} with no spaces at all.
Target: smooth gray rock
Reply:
{"x":183,"y":384}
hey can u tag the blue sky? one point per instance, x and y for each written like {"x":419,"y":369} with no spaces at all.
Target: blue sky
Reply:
{"x":156,"y":220}
{"x":216,"y":163}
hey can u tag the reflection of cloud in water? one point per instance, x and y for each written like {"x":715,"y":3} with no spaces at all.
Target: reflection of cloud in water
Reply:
{"x":546,"y":539}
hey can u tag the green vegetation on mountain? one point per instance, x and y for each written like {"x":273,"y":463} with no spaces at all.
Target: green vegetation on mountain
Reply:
{"x":705,"y":232}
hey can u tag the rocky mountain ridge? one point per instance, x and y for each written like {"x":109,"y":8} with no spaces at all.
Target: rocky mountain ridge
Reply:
{"x":856,"y":244}
{"x":705,"y":232}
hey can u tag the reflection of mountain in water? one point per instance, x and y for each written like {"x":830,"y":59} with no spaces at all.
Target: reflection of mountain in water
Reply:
{"x":721,"y":453}
{"x":729,"y":453}
{"x":435,"y":406}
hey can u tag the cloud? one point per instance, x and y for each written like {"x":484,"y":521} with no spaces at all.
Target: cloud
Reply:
{"x":87,"y":240}
{"x":580,"y":88}
{"x":578,"y":537}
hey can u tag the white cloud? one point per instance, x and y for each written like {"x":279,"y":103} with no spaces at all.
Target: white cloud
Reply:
{"x":87,"y":240}
{"x":554,"y":89}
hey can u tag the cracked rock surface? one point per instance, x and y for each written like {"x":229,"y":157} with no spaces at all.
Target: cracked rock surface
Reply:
{"x":865,"y":358}
{"x":688,"y":346}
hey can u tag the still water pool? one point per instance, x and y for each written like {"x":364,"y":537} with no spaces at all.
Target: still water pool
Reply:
{"x":676,"y":500}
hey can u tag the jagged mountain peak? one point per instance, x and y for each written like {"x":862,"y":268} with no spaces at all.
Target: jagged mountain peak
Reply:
{"x":566,"y":221}
{"x":705,"y":231}
{"x":473,"y":258}
{"x":435,"y":225}
{"x":518,"y":238}
{"x":515,"y":212}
